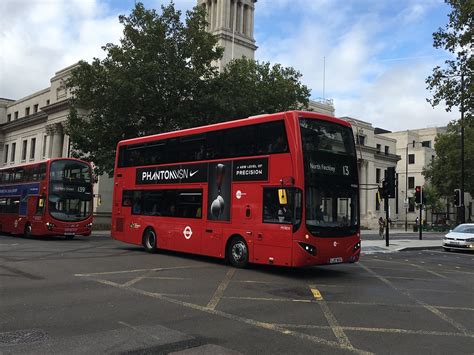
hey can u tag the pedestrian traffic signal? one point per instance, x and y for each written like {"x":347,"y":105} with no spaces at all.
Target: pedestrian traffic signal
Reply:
{"x":418,"y":195}
{"x":457,"y":198}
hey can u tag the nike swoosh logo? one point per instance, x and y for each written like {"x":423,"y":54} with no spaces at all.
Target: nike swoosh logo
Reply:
{"x":192,"y":174}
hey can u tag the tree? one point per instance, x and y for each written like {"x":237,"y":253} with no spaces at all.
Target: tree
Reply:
{"x":147,"y":84}
{"x":443,"y":172}
{"x":161,"y":77}
{"x":458,"y":38}
{"x":248,"y":87}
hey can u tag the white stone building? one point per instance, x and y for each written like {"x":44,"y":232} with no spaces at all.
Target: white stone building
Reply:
{"x":416,"y":149}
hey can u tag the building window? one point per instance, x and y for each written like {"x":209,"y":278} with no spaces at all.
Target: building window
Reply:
{"x":377,"y":175}
{"x":379,"y":148}
{"x":27,"y":111}
{"x":5,"y":158}
{"x":386,"y":150}
{"x":377,"y":201}
{"x":23,"y":150}
{"x":432,"y":159}
{"x":426,"y":144}
{"x":9,"y":117}
{"x":47,"y":102}
{"x":32,"y":148}
{"x":35,"y":108}
{"x":12,"y":156}
{"x":411,"y":204}
{"x":360,"y":139}
{"x":411,"y":182}
{"x":411,"y":158}
{"x":16,"y":115}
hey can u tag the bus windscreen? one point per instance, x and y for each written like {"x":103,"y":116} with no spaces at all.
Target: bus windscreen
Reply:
{"x":331,"y":181}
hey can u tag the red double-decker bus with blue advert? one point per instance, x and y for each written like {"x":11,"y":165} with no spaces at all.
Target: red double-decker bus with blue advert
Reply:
{"x":279,"y":189}
{"x":49,"y":198}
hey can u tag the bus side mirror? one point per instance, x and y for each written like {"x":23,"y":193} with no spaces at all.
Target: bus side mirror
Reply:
{"x":282,"y":197}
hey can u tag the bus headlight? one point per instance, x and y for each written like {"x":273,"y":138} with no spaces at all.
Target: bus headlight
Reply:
{"x":50,"y":226}
{"x":89,"y":225}
{"x":356,"y":247}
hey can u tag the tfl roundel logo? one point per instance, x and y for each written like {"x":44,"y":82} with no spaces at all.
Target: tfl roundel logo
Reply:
{"x":187,"y":232}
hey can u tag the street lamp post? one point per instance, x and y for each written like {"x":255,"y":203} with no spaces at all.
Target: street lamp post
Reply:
{"x":463,"y":212}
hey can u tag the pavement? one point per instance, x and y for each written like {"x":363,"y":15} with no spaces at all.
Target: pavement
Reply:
{"x":399,"y":240}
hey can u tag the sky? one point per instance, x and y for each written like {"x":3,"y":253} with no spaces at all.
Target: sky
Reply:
{"x":374,"y":54}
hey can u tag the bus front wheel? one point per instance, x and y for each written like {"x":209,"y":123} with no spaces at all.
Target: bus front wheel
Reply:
{"x":149,"y":240}
{"x":238,"y":252}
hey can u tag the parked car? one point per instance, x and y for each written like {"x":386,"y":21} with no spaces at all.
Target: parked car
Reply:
{"x":460,"y":238}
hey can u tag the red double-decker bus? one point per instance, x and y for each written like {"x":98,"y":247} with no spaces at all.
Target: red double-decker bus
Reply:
{"x":277,"y":189}
{"x":53,"y":197}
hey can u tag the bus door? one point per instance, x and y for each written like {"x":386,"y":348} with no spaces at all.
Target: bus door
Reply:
{"x":219,"y":206}
{"x":273,"y":238}
{"x":36,"y":208}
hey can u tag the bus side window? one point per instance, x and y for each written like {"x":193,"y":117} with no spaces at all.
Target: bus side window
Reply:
{"x":127,"y":198}
{"x":273,"y":210}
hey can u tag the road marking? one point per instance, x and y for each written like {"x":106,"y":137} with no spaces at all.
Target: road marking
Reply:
{"x":141,"y":270}
{"x":252,"y":322}
{"x":333,"y":323}
{"x":140,"y":331}
{"x":379,"y":330}
{"x":221,"y":289}
{"x":316,"y":294}
{"x":268,"y":299}
{"x":432,"y":309}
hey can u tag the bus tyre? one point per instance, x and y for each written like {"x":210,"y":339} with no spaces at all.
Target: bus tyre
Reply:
{"x":27,"y":231}
{"x":238,"y":252}
{"x":150,"y":240}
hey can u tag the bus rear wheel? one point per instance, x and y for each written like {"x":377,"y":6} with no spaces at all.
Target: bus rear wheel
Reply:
{"x":27,"y":231}
{"x":238,"y":253}
{"x":150,"y":240}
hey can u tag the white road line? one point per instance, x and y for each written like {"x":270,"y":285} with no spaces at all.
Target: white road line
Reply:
{"x":432,"y":309}
{"x":142,"y":270}
{"x":331,"y":319}
{"x":252,"y":322}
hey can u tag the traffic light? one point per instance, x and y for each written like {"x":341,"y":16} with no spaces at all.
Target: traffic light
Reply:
{"x":390,"y":182}
{"x":418,"y":194}
{"x":457,"y":198}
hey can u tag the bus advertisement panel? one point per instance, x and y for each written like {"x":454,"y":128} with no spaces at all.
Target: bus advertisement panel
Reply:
{"x":278,"y":189}
{"x":53,"y":197}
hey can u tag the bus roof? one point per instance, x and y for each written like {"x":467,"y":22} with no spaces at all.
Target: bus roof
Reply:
{"x":23,"y":165}
{"x":235,"y":123}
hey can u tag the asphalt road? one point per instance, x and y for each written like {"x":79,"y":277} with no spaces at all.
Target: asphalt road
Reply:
{"x":96,"y":295}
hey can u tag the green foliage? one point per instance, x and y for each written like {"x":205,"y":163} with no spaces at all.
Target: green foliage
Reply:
{"x":161,"y":77}
{"x":145,"y":85}
{"x":247,"y":87}
{"x":433,"y":198}
{"x":444,"y":171}
{"x":458,"y":38}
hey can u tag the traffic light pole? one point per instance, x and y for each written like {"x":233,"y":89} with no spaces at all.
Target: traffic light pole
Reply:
{"x":421,"y":222}
{"x":387,"y":229}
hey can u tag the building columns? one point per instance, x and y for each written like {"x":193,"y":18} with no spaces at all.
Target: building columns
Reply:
{"x":56,"y":133}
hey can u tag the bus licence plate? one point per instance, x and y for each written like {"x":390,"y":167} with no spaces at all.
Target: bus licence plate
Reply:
{"x":335,"y":260}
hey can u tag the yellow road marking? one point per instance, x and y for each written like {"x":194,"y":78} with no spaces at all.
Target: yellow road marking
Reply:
{"x":316,"y":293}
{"x":221,"y":289}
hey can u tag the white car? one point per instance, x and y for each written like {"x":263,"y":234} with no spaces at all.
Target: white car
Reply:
{"x":460,"y":238}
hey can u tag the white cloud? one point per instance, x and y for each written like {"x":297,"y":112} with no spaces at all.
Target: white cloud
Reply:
{"x":44,"y":36}
{"x":389,"y":94}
